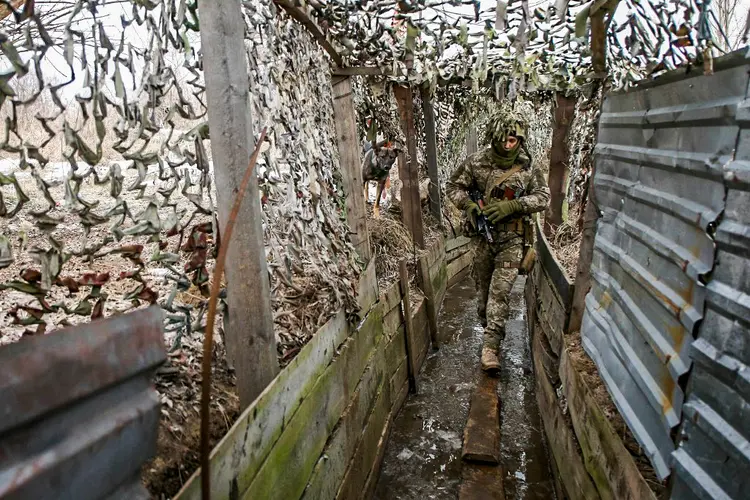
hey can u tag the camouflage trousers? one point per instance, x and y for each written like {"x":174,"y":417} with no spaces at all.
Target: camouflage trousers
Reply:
{"x":495,"y":270}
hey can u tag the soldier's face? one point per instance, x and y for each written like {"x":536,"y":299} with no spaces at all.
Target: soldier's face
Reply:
{"x":510,"y":143}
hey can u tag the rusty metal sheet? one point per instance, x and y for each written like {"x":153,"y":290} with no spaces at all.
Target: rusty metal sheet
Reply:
{"x":660,"y":182}
{"x":78,"y":412}
{"x":713,"y":457}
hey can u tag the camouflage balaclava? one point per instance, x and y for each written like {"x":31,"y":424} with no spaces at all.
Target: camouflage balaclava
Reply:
{"x":502,"y":125}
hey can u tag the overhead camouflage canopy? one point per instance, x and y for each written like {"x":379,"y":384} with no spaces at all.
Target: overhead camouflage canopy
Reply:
{"x":521,"y":43}
{"x":104,"y":122}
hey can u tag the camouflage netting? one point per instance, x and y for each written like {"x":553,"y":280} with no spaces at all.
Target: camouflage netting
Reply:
{"x":122,"y":214}
{"x":515,"y":45}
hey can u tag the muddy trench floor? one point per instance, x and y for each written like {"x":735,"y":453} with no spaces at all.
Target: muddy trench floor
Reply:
{"x":423,"y":455}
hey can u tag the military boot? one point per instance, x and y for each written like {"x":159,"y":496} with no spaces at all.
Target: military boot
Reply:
{"x":490,"y":362}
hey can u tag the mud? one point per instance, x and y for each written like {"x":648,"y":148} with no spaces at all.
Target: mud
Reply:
{"x":423,"y":456}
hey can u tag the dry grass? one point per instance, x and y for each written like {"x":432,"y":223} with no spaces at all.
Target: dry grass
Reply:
{"x":566,"y":243}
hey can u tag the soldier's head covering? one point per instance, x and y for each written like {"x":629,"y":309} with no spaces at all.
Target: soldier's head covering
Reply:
{"x":503,"y":124}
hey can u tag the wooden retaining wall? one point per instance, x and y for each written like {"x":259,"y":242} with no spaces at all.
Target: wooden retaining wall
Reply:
{"x":319,"y":430}
{"x":589,"y":459}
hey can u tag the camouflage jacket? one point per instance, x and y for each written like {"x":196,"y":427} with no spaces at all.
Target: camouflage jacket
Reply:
{"x":528,"y":185}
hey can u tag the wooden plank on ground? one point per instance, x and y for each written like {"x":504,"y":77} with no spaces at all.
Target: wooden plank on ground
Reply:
{"x":367,"y":290}
{"x":481,"y":482}
{"x":305,"y":435}
{"x":459,"y":264}
{"x":482,"y":431}
{"x":561,"y":438}
{"x":609,"y":463}
{"x":239,"y":455}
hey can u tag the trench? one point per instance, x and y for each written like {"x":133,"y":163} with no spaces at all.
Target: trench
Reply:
{"x":423,"y":455}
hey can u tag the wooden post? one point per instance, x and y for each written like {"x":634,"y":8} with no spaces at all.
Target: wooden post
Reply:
{"x":436,"y":208}
{"x":582,"y":283}
{"x":408,"y":169}
{"x":351,"y":164}
{"x":408,"y":328}
{"x":599,"y":42}
{"x":585,"y":258}
{"x":558,"y":165}
{"x":250,"y":335}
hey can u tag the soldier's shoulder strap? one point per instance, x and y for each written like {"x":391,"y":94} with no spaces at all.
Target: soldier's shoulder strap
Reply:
{"x":506,"y":175}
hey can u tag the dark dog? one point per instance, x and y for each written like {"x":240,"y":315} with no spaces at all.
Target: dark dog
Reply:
{"x":377,"y":166}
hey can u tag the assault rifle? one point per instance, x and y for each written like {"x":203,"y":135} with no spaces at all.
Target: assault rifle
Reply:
{"x":483,"y":225}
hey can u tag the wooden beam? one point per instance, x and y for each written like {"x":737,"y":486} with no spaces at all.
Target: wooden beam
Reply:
{"x":558,"y":163}
{"x":312,"y":27}
{"x":408,"y":167}
{"x":436,"y":208}
{"x":349,"y":147}
{"x":585,"y":258}
{"x":250,"y":335}
{"x":582,"y":279}
{"x":598,"y":42}
{"x":482,"y":431}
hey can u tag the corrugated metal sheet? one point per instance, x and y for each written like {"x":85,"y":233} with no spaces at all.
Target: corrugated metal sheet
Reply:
{"x":78,"y":411}
{"x":713,"y":459}
{"x":659,"y":182}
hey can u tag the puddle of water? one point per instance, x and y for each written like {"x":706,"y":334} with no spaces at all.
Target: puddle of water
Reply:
{"x":423,"y":456}
{"x":523,"y":452}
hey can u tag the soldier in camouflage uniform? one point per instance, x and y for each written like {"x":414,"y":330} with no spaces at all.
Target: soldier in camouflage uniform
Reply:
{"x":512,"y":190}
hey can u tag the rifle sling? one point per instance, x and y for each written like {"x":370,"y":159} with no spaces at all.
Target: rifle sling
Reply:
{"x":504,"y":177}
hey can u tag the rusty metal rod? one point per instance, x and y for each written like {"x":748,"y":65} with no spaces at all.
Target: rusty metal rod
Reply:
{"x":209,"y":338}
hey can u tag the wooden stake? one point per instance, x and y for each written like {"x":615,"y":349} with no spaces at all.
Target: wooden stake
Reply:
{"x":408,"y":328}
{"x":436,"y":208}
{"x":250,"y":337}
{"x":558,"y":164}
{"x":351,"y":164}
{"x":408,"y":168}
